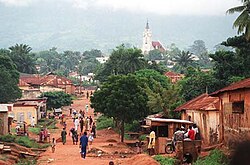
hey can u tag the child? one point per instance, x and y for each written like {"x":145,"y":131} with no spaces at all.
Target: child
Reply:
{"x":53,"y":145}
{"x":91,"y":138}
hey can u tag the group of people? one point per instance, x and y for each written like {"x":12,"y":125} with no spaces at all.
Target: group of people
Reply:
{"x":192,"y":133}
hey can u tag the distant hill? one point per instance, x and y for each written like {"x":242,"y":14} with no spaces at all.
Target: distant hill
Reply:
{"x":43,"y":27}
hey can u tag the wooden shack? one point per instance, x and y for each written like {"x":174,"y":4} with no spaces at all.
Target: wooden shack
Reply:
{"x":203,"y":111}
{"x":5,"y":120}
{"x":164,"y":130}
{"x":234,"y":112}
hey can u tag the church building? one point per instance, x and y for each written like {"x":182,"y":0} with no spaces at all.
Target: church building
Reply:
{"x":148,"y":44}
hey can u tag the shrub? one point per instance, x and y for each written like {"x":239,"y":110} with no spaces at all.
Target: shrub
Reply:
{"x":133,"y":127}
{"x":7,"y":138}
{"x":104,"y":122}
{"x":25,"y":141}
{"x":34,"y":130}
{"x":26,"y":162}
{"x":164,"y":160}
{"x":142,"y":137}
{"x":215,"y":157}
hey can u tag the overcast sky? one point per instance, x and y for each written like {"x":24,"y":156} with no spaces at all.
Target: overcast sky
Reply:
{"x":162,"y":7}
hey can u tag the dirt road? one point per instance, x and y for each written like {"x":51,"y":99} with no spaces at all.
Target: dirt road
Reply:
{"x":106,"y":147}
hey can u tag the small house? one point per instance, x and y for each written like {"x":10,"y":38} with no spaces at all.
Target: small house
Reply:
{"x":234,"y":103}
{"x":164,"y":130}
{"x":203,"y":111}
{"x":25,"y":109}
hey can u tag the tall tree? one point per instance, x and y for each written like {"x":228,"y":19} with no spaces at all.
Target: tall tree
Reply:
{"x":183,"y":60}
{"x":122,"y":97}
{"x":9,"y":90}
{"x":195,"y":83}
{"x":23,"y":58}
{"x":122,"y":61}
{"x":242,"y":22}
{"x":57,"y":99}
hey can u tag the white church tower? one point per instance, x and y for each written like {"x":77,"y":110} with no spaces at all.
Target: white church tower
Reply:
{"x":147,"y":40}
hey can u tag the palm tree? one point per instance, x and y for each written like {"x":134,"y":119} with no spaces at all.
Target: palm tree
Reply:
{"x":24,"y":60}
{"x":183,"y":60}
{"x":242,"y":22}
{"x":132,"y":60}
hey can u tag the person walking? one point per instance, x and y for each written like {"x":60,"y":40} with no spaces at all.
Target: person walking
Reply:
{"x":93,"y":130}
{"x":53,"y":145}
{"x":90,"y":121}
{"x":81,"y":124}
{"x":63,"y":136}
{"x":76,"y":123}
{"x":90,"y":140}
{"x":83,"y":145}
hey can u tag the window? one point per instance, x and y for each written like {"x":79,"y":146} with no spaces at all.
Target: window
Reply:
{"x":238,"y":107}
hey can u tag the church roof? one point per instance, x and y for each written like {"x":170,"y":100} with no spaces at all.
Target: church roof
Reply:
{"x":147,"y":25}
{"x":158,"y":45}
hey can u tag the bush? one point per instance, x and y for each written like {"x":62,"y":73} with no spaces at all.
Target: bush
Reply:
{"x":164,"y":160}
{"x":7,"y":138}
{"x":215,"y":157}
{"x":133,"y":127}
{"x":34,"y":130}
{"x":104,"y":122}
{"x":25,"y":141}
{"x":142,"y":137}
{"x":26,"y":162}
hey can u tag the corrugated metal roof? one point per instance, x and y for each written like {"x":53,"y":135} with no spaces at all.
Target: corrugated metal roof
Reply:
{"x":238,"y":85}
{"x":170,"y":120}
{"x":202,"y":102}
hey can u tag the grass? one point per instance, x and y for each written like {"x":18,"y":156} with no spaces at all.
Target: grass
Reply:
{"x":215,"y":157}
{"x":164,"y":160}
{"x":23,"y":141}
{"x":34,"y":130}
{"x":26,"y":162}
{"x":104,"y":122}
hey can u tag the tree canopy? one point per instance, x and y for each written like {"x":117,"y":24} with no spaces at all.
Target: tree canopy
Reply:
{"x":121,"y":97}
{"x":23,"y":58}
{"x":122,"y":61}
{"x":57,"y":99}
{"x":9,"y":90}
{"x":242,"y":22}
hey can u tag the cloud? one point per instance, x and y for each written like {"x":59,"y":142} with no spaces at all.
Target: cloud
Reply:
{"x":16,"y":2}
{"x":164,"y":7}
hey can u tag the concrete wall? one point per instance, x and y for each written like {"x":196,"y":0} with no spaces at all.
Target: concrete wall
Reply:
{"x":25,"y":113}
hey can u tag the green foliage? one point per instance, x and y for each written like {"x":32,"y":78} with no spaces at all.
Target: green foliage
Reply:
{"x":154,"y":55}
{"x":57,"y":99}
{"x":196,"y":83}
{"x":123,"y":98}
{"x":216,"y":157}
{"x":9,"y":90}
{"x":7,"y":138}
{"x":23,"y":58}
{"x":132,"y":127}
{"x":199,"y":49}
{"x":242,"y":21}
{"x":142,"y":137}
{"x":22,"y":140}
{"x":183,"y":60}
{"x":149,"y":75}
{"x":26,"y":162}
{"x":25,"y":141}
{"x":164,"y":160}
{"x":122,"y":61}
{"x":104,"y":122}
{"x":34,"y":130}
